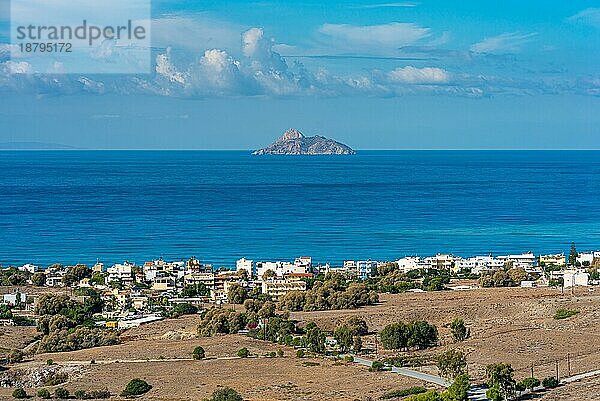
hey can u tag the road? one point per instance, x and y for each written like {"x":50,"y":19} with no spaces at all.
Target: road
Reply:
{"x":437,"y":380}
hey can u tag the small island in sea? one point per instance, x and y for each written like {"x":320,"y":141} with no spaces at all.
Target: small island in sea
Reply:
{"x":293,"y":142}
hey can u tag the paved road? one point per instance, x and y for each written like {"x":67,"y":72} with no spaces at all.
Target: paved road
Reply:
{"x":440,"y":381}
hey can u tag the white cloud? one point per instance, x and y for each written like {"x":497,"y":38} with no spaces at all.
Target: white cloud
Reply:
{"x":589,"y":16}
{"x":19,"y":67}
{"x":508,"y":42}
{"x":164,"y":67}
{"x":373,"y":39}
{"x":413,"y":75}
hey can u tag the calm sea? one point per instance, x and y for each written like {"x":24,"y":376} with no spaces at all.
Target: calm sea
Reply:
{"x":79,"y":206}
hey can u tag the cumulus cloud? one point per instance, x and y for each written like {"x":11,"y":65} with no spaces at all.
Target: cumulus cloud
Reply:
{"x":373,"y":39}
{"x":413,"y":75}
{"x":508,"y":42}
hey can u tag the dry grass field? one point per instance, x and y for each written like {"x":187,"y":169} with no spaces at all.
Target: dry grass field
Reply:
{"x":507,"y":325}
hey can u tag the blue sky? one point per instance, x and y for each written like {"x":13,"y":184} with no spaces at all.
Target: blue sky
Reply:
{"x":386,"y":75}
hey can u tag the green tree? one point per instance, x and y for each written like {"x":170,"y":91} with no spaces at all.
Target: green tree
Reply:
{"x":423,"y":335}
{"x":43,"y":393}
{"x":314,"y":339}
{"x":226,"y":394}
{"x":573,"y":255}
{"x":61,"y":393}
{"x":136,"y":387}
{"x":494,"y":394}
{"x":243,"y":353}
{"x":459,"y":330}
{"x":501,"y":376}
{"x":550,"y":382}
{"x":395,"y":336}
{"x":344,"y":337}
{"x":459,"y":389}
{"x":237,"y":294}
{"x":452,"y":363}
{"x":198,"y":353}
{"x":530,"y":383}
{"x":38,"y":279}
{"x":19,"y":393}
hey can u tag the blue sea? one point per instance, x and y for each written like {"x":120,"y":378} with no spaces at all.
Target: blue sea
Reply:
{"x":83,"y":206}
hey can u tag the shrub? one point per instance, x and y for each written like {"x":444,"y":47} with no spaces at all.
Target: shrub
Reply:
{"x":530,"y":383}
{"x":61,"y":393}
{"x":198,"y":353}
{"x":81,"y":395}
{"x":19,"y":393}
{"x":452,"y":363}
{"x":226,"y":394}
{"x":300,"y":353}
{"x":49,"y":362}
{"x":280,"y":353}
{"x":243,"y":353}
{"x":348,"y":358}
{"x":404,"y":392}
{"x":183,"y":309}
{"x":15,"y":356}
{"x":99,"y":394}
{"x":564,"y":313}
{"x":377,"y":366}
{"x":43,"y":393}
{"x":56,"y":378}
{"x":460,"y":332}
{"x":136,"y":387}
{"x":550,"y":382}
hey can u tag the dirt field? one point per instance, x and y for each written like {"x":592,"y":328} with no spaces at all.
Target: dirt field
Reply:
{"x":511,"y":325}
{"x":507,"y":325}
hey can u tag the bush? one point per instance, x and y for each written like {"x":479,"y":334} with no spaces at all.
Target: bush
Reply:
{"x":550,"y":382}
{"x":198,"y":353}
{"x":81,"y":395}
{"x":221,"y":321}
{"x":348,"y":358}
{"x":377,"y":366}
{"x":280,"y":353}
{"x":404,"y":392}
{"x":15,"y":356}
{"x":530,"y":383}
{"x":243,"y":353}
{"x":136,"y":387}
{"x":99,"y":394}
{"x":19,"y":393}
{"x":564,"y":313}
{"x":56,"y":378}
{"x":460,"y":332}
{"x":43,"y":393}
{"x":452,"y":363}
{"x":183,"y":309}
{"x":300,"y":353}
{"x":226,"y":394}
{"x":61,"y":393}
{"x":49,"y":362}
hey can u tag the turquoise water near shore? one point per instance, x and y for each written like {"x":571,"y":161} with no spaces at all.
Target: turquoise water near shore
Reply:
{"x":79,"y":206}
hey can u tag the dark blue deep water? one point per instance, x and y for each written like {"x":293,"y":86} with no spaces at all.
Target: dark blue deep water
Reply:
{"x":79,"y":206}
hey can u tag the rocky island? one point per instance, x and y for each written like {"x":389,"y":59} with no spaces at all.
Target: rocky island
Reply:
{"x":293,"y":142}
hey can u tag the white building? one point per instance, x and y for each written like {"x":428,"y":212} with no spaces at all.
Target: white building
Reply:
{"x":30,"y":268}
{"x":409,"y":263}
{"x":245,"y":264}
{"x":525,"y":260}
{"x":365,"y":268}
{"x":121,"y":272}
{"x":574,"y":278}
{"x":14,"y":298}
{"x":587,"y":258}
{"x":479,"y":264}
{"x":442,"y":262}
{"x":277,"y":288}
{"x":303,"y":264}
{"x":279,"y":268}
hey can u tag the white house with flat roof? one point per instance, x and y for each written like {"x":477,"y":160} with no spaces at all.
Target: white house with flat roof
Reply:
{"x":525,"y":260}
{"x":245,"y":264}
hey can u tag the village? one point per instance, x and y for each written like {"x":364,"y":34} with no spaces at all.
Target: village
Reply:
{"x":137,"y":294}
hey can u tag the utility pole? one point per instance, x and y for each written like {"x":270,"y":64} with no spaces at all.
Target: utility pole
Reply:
{"x":569,"y":363}
{"x":532,"y":370}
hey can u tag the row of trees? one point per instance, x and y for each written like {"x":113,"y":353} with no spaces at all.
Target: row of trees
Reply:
{"x":391,"y":279}
{"x":508,"y":277}
{"x":334,"y":292}
{"x":67,"y":325}
{"x":403,"y":336}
